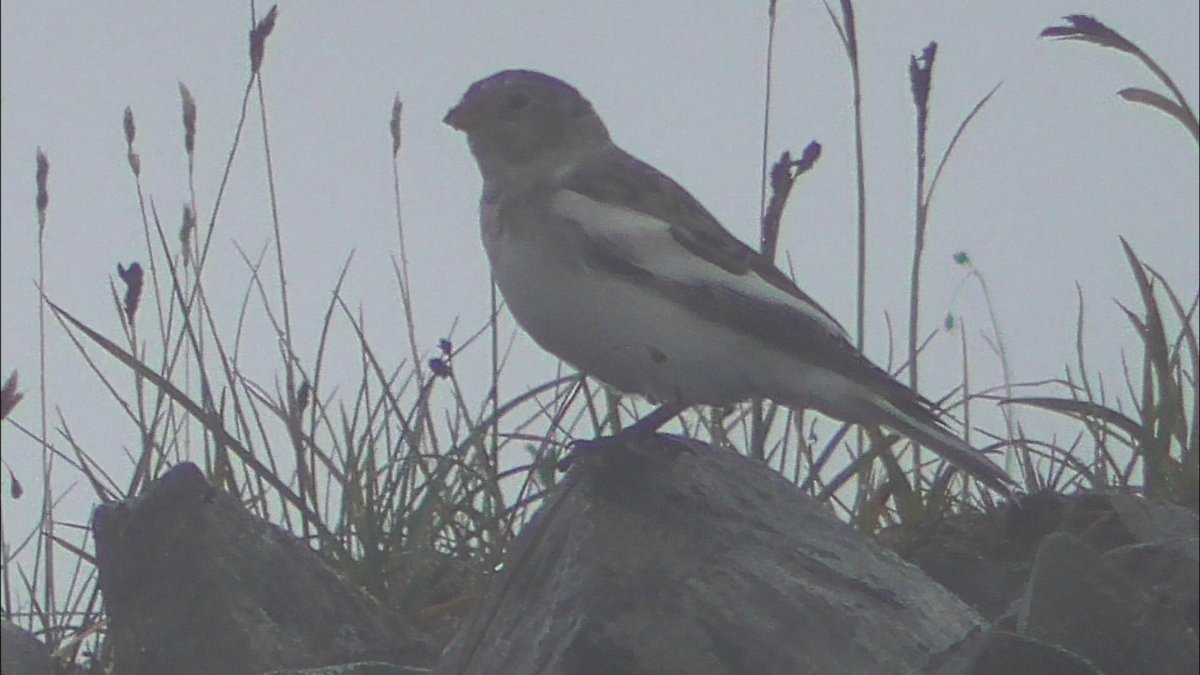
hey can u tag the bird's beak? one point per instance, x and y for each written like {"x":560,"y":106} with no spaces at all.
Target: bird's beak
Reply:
{"x":459,"y":117}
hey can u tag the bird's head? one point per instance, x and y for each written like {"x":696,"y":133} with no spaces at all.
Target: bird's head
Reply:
{"x":519,"y":119}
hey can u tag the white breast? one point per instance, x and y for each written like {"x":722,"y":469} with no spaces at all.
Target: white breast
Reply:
{"x":618,"y":331}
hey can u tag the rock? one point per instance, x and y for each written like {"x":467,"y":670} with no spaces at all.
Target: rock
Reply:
{"x":1078,"y":601}
{"x":357,"y":668}
{"x":971,"y":553}
{"x":673,"y":556}
{"x":998,"y":652}
{"x":986,"y":584}
{"x":194,"y":583}
{"x":1166,"y":571}
{"x":1109,"y":520}
{"x":985,"y":558}
{"x":21,"y":653}
{"x":1147,"y":521}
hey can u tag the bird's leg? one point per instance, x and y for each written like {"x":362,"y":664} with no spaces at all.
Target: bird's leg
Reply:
{"x":641,"y":429}
{"x":654,"y":421}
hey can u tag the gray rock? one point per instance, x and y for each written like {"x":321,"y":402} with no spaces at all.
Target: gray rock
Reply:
{"x":21,"y":653}
{"x":1110,"y":520}
{"x":194,"y":583}
{"x":1168,"y":572}
{"x":357,"y":668}
{"x":988,"y":585}
{"x":1148,"y":521}
{"x":1076,"y":601}
{"x":1080,"y":602}
{"x":997,"y":652}
{"x":672,"y":556}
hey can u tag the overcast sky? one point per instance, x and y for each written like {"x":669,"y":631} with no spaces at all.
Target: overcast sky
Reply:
{"x":1052,"y":171}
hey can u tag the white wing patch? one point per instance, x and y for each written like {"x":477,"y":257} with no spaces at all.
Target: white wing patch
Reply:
{"x":647,"y":242}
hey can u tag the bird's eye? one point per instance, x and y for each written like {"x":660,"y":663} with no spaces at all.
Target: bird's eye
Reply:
{"x":518,"y":101}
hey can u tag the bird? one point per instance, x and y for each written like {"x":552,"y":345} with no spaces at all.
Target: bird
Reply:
{"x":616,"y":269}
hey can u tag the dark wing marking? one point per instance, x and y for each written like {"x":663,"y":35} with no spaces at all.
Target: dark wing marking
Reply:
{"x":602,"y":255}
{"x":621,"y":179}
{"x":798,"y":334}
{"x":625,"y":181}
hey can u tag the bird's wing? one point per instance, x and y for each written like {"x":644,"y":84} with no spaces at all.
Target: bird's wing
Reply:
{"x":622,"y":180}
{"x":639,"y":223}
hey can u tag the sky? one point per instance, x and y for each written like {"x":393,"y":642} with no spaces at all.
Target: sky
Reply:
{"x":1050,"y":174}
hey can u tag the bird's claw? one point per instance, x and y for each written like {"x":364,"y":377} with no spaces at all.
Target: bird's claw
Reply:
{"x":581,"y":447}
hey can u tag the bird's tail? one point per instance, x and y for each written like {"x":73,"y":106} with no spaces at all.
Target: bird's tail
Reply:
{"x":929,"y":432}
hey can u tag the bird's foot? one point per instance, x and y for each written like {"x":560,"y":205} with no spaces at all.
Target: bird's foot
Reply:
{"x":640,"y":431}
{"x":574,"y":450}
{"x":582,"y":447}
{"x":623,"y":439}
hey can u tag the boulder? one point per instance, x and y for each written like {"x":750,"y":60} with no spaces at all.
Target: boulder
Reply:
{"x":195,"y":583}
{"x":672,"y":556}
